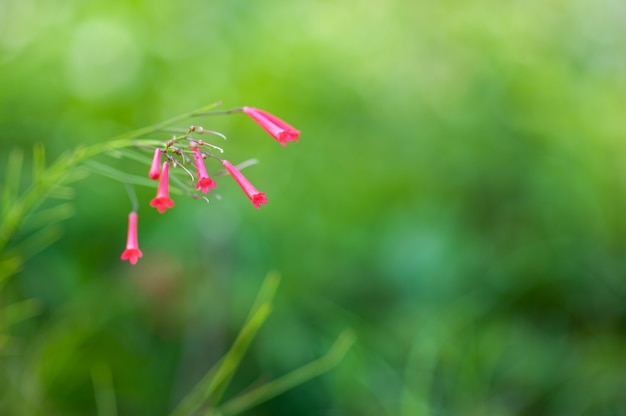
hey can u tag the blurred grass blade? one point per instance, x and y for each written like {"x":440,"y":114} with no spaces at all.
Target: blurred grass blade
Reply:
{"x":37,"y":242}
{"x":75,"y":174}
{"x":12,"y":177}
{"x":108,"y":171}
{"x":6,"y":344}
{"x":267,"y":291}
{"x":61,"y":192}
{"x":235,"y":355}
{"x":18,"y":312}
{"x":9,"y":265}
{"x":217,"y":379}
{"x":297,"y":377}
{"x":130,"y":154}
{"x":50,"y":215}
{"x":266,"y":294}
{"x":39,"y":161}
{"x":103,"y":388}
{"x":420,"y":370}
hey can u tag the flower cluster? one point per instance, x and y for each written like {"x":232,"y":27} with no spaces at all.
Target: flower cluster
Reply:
{"x":178,"y":153}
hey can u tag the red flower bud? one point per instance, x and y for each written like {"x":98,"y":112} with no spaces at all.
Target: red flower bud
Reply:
{"x":156,"y":162}
{"x":204,"y":182}
{"x":276,"y":127}
{"x":255,"y":196}
{"x":132,"y":252}
{"x":162,"y":200}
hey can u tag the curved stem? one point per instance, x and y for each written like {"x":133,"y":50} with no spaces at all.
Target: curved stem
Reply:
{"x":305,"y":373}
{"x":59,"y":172}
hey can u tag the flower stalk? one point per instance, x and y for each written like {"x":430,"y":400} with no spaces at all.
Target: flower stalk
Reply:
{"x":64,"y":170}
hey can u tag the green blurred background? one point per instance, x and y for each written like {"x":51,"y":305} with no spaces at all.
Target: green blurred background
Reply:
{"x":457,"y":197}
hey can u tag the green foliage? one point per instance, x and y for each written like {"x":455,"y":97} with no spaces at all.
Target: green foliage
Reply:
{"x":21,"y":214}
{"x":456,"y":197}
{"x":205,"y":397}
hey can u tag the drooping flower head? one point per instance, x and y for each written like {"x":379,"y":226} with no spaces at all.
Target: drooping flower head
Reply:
{"x":255,"y":196}
{"x":205,"y":183}
{"x":276,"y":127}
{"x":132,"y":252}
{"x":162,"y":201}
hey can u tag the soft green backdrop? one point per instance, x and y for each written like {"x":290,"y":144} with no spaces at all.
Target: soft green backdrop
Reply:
{"x":458,"y":197}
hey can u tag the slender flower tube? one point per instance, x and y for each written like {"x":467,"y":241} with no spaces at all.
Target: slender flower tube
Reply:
{"x":162,"y":200}
{"x":255,"y":196}
{"x":204,"y":182}
{"x":156,"y":162}
{"x":132,"y":252}
{"x":276,"y":127}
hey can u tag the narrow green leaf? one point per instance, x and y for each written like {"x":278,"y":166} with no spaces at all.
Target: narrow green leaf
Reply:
{"x":102,"y":379}
{"x":13,"y":175}
{"x":108,"y":171}
{"x":6,"y":344}
{"x":236,"y":353}
{"x":287,"y":382}
{"x":39,"y":161}
{"x":216,"y":380}
{"x":218,"y":376}
{"x":47,"y":216}
{"x":75,"y":174}
{"x":131,"y":154}
{"x":266,"y":293}
{"x":9,"y":266}
{"x":61,"y":192}
{"x":37,"y":242}
{"x":18,"y":312}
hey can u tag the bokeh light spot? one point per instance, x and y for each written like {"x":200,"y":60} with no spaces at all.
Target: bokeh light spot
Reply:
{"x":102,"y":60}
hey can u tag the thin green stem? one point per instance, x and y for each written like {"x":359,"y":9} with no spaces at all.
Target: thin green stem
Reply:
{"x":132,"y":195}
{"x":210,"y":389}
{"x":266,"y":293}
{"x":102,"y":379}
{"x":223,"y":112}
{"x":126,"y":139}
{"x":60,"y":171}
{"x":287,"y":382}
{"x":220,"y":375}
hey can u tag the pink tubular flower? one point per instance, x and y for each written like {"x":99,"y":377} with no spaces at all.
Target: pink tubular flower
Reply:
{"x":156,"y":162}
{"x":162,"y":200}
{"x":276,"y":127}
{"x":204,"y":182}
{"x":255,"y":196}
{"x":132,"y":252}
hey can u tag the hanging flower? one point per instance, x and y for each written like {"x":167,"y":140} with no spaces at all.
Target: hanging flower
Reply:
{"x":156,"y":163}
{"x":204,"y":182}
{"x":276,"y":127}
{"x":255,"y":196}
{"x":132,"y":252}
{"x":162,"y":200}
